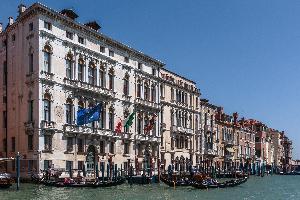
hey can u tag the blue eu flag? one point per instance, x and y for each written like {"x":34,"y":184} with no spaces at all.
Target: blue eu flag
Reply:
{"x":94,"y":113}
{"x":88,"y":115}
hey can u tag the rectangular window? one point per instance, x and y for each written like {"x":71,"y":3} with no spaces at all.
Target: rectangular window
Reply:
{"x":80,"y":165}
{"x":4,"y":119}
{"x":30,"y":63}
{"x":92,"y":76}
{"x":126,"y":59}
{"x":111,"y":121}
{"x":102,"y":49}
{"x":112,"y":148}
{"x":13,"y":144}
{"x":48,"y":142}
{"x":4,"y":145}
{"x":140,"y":65}
{"x":69,"y":69}
{"x":47,"y":113}
{"x":69,"y":35}
{"x":102,"y":78}
{"x":4,"y":72}
{"x":110,"y":82}
{"x":69,"y":115}
{"x":153,"y":72}
{"x":30,"y":26}
{"x":4,"y":99}
{"x":47,"y":164}
{"x":47,"y":62}
{"x":80,"y":145}
{"x":126,"y":148}
{"x":30,"y":110}
{"x":102,"y":147}
{"x":111,"y":53}
{"x":69,"y":165}
{"x":47,"y":25}
{"x":69,"y":144}
{"x":80,"y":40}
{"x":80,"y":72}
{"x":30,"y":142}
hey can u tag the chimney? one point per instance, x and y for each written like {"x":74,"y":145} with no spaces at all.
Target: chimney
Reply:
{"x":21,"y":8}
{"x":10,"y":21}
{"x":1,"y":28}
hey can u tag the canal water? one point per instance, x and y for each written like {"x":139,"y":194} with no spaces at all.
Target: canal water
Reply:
{"x":269,"y":187}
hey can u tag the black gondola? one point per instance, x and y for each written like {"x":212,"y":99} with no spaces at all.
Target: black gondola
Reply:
{"x":119,"y":181}
{"x":231,"y":183}
{"x":6,"y":180}
{"x":172,"y":183}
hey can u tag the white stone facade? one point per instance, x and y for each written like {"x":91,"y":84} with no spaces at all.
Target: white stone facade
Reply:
{"x":56,"y":65}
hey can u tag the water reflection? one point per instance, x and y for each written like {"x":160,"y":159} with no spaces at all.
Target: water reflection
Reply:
{"x":270,"y":187}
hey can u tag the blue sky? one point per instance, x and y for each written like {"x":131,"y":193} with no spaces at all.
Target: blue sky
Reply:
{"x":244,"y":55}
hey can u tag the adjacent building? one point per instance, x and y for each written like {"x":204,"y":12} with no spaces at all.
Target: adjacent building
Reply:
{"x":52,"y":66}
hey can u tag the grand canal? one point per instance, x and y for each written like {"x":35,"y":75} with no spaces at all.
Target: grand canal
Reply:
{"x":268,"y":187}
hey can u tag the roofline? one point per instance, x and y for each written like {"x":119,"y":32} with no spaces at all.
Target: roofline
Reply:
{"x":105,"y":38}
{"x":180,"y":76}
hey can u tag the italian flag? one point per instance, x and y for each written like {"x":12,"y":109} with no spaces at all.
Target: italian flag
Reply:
{"x":129,"y":120}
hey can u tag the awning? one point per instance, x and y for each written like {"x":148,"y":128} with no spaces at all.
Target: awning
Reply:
{"x":231,"y":150}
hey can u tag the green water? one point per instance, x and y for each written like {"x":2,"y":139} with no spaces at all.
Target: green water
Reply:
{"x":269,"y":187}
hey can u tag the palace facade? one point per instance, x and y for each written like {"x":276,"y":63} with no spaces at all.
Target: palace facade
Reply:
{"x":52,"y":66}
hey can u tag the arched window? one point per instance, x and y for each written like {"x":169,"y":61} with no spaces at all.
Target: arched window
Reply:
{"x":153,"y":93}
{"x":69,"y":111}
{"x":111,"y":75}
{"x":111,"y":119}
{"x":186,"y":143}
{"x":177,"y":142}
{"x":102,"y":76}
{"x":146,"y":91}
{"x":69,"y":66}
{"x":139,"y":89}
{"x":126,"y":85}
{"x":92,"y":74}
{"x":47,"y":58}
{"x":126,"y":114}
{"x":181,"y":142}
{"x":81,"y":68}
{"x":47,"y":107}
{"x":139,"y":123}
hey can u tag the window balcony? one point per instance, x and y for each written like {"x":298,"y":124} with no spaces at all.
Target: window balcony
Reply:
{"x":183,"y":130}
{"x":84,"y":86}
{"x":146,"y":103}
{"x":72,"y":128}
{"x":49,"y":125}
{"x":46,"y":76}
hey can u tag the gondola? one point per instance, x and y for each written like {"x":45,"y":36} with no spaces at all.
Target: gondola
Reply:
{"x":232,"y":183}
{"x":5,"y":180}
{"x":172,"y":183}
{"x":119,"y":181}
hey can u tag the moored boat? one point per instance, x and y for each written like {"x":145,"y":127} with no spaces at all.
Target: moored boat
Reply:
{"x":6,"y":180}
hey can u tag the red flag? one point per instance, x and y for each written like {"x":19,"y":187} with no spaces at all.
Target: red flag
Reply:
{"x":119,"y":127}
{"x":150,"y":126}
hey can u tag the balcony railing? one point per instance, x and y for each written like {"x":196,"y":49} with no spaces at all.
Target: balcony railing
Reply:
{"x":88,"y":130}
{"x":182,"y":129}
{"x":48,"y":76}
{"x":146,"y":103}
{"x":47,"y":124}
{"x":89,"y":87}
